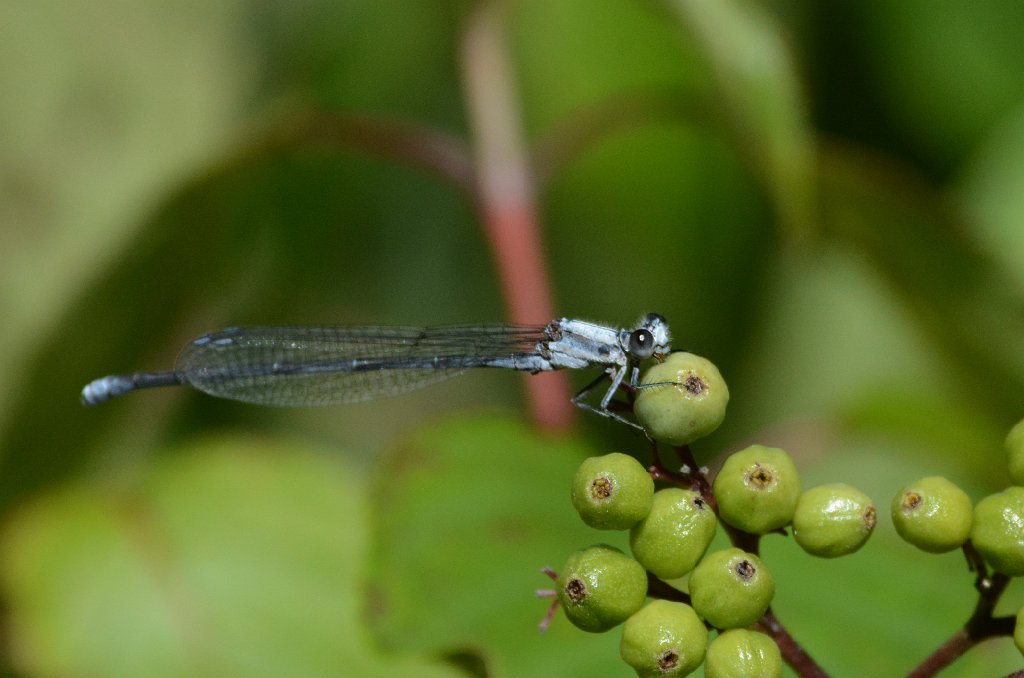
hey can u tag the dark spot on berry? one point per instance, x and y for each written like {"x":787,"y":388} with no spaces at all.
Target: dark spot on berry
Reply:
{"x":694,"y":384}
{"x":700,"y":503}
{"x":668,"y":660}
{"x":576,"y":590}
{"x":601,"y":488}
{"x":911,"y":500}
{"x":870,"y":517}
{"x":760,"y":477}
{"x":746,"y":570}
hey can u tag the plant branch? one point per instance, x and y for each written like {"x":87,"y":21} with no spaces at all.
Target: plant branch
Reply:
{"x":792,"y":651}
{"x":657,"y":588}
{"x":981,"y":625}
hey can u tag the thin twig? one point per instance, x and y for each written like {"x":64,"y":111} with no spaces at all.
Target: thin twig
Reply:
{"x":794,"y":654}
{"x":981,"y":625}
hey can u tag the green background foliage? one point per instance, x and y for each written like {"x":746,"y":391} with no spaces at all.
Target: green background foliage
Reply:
{"x":823,"y":198}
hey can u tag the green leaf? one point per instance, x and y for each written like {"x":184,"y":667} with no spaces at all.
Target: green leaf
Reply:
{"x":761,"y":98}
{"x":466,"y":515}
{"x":231,"y":557}
{"x":962,"y":302}
{"x":991,"y":196}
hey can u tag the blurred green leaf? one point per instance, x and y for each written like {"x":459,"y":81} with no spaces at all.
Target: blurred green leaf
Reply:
{"x":571,"y":57}
{"x":945,"y":70}
{"x":990,"y":193}
{"x":759,"y":94}
{"x":672,"y":141}
{"x":231,"y":557}
{"x":958,"y":297}
{"x":466,"y":514}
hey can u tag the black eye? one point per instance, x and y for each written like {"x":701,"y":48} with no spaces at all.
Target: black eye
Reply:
{"x":641,"y":344}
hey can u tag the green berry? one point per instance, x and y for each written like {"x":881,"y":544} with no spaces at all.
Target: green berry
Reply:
{"x":933,"y":514}
{"x":664,"y":639}
{"x":739,"y":653}
{"x":731,"y":589}
{"x":757,"y":489}
{"x":1018,"y":631}
{"x":833,"y":520}
{"x":600,"y":587}
{"x":1015,"y":452}
{"x":612,"y":492}
{"x":675,"y":534}
{"x":998,"y":530}
{"x":690,"y":404}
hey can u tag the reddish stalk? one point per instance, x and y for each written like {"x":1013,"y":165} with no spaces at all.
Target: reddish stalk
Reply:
{"x":981,"y":625}
{"x":506,"y":196}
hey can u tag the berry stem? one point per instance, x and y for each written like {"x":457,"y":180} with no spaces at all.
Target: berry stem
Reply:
{"x":981,"y":626}
{"x":656,"y":588}
{"x":794,"y":654}
{"x":697,"y":481}
{"x":659,"y":471}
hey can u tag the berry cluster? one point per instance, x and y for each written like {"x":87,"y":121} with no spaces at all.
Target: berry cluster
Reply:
{"x":756,"y":492}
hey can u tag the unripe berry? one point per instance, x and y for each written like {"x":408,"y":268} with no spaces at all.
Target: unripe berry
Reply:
{"x":612,"y":492}
{"x":739,"y":653}
{"x":600,"y":587}
{"x":833,"y":520}
{"x":664,"y":639}
{"x":1015,"y":453}
{"x":933,"y":514}
{"x":731,"y":589}
{"x":998,"y":530}
{"x":690,"y":405}
{"x":757,"y":489}
{"x":675,"y":534}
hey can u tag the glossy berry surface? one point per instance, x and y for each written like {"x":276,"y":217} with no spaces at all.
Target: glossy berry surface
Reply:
{"x":731,"y":588}
{"x":757,"y":489}
{"x":675,"y":534}
{"x":612,"y":492}
{"x":600,"y":587}
{"x":998,"y":530}
{"x":833,"y":520}
{"x":689,"y":405}
{"x":664,"y":639}
{"x":740,"y":653}
{"x":933,"y":514}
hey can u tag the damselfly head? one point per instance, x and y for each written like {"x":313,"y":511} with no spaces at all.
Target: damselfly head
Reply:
{"x":650,"y":338}
{"x":656,"y":324}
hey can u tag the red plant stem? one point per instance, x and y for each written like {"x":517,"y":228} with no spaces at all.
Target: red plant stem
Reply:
{"x":981,"y":626}
{"x":506,"y":196}
{"x":792,"y":652}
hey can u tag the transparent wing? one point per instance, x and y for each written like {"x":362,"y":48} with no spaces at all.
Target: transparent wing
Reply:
{"x":311,"y":366}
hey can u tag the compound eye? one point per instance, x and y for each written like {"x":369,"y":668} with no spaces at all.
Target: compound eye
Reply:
{"x":641,"y":344}
{"x":654,"y":319}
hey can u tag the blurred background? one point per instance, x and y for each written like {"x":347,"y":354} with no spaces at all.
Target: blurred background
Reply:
{"x":823,"y":198}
